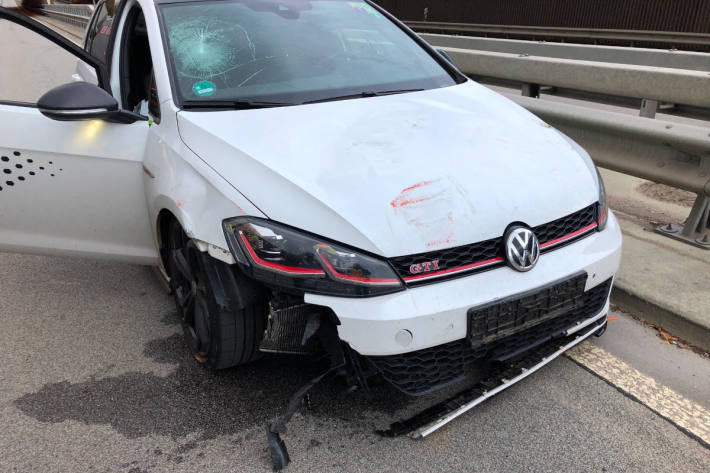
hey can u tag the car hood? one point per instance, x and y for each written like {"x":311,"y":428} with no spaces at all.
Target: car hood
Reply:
{"x":398,"y":174}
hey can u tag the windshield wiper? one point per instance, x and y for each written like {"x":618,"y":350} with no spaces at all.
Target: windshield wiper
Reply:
{"x":364,"y":94}
{"x":231,"y":104}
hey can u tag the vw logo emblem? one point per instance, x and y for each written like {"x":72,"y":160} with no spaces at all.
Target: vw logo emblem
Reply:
{"x":521,"y":248}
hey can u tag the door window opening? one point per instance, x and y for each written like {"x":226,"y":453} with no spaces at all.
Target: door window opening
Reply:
{"x":138,"y":90}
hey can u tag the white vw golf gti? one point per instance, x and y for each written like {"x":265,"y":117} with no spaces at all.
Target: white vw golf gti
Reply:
{"x":312,"y":178}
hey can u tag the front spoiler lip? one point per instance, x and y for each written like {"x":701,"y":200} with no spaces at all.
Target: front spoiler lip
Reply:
{"x":425,"y":429}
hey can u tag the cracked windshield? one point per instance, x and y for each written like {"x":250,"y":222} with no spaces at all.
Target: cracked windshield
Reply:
{"x":292,"y":51}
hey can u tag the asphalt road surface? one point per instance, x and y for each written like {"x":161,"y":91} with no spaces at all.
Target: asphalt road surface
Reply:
{"x":94,"y":377}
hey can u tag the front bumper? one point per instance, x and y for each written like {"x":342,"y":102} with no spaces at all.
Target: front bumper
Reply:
{"x":436,"y":314}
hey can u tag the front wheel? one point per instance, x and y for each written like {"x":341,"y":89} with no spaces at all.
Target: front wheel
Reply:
{"x":218,"y":334}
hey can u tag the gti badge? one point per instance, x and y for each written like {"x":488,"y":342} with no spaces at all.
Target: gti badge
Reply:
{"x":521,"y":248}
{"x":424,"y":267}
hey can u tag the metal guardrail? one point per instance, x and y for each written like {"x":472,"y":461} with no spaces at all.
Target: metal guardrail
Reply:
{"x":652,"y":83}
{"x":77,"y":15}
{"x":672,"y":58}
{"x":79,"y":10}
{"x":658,"y":150}
{"x":541,"y":32}
{"x":671,"y":153}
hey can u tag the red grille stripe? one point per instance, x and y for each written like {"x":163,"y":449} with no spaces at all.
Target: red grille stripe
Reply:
{"x":568,"y":236}
{"x":454,"y":270}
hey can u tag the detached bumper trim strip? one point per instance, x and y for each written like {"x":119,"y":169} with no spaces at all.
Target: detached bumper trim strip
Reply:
{"x":576,"y":328}
{"x":428,"y":428}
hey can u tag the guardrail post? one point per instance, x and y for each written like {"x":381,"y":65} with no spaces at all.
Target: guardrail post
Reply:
{"x":696,"y":229}
{"x":648,"y":108}
{"x":531,"y":90}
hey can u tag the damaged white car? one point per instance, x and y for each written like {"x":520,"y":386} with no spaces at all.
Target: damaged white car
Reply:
{"x":312,"y":177}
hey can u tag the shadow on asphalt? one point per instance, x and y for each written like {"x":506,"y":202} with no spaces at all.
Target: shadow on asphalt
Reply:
{"x":194,"y":400}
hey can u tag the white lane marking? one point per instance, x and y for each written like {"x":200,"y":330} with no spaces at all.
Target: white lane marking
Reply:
{"x":685,"y":413}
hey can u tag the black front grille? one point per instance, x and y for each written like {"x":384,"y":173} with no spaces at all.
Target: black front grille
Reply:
{"x":424,"y":371}
{"x":461,"y":256}
{"x":566,"y":225}
{"x":451,"y":258}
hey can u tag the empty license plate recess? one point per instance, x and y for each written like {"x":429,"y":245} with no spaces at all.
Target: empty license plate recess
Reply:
{"x":522,"y":311}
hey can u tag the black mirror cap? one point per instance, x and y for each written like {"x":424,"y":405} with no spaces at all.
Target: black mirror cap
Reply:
{"x":446,"y":56}
{"x":77,"y":101}
{"x":84,"y":101}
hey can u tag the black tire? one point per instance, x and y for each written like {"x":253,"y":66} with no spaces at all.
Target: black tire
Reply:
{"x":219,"y":334}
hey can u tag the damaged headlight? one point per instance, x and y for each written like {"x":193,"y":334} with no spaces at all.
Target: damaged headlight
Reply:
{"x":603,"y":209}
{"x":280,"y":256}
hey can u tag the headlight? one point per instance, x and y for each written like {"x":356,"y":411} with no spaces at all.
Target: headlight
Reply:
{"x":603,"y":209}
{"x":283,"y":257}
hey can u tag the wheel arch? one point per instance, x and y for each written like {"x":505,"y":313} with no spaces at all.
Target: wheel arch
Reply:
{"x":232,"y":286}
{"x":162,"y":224}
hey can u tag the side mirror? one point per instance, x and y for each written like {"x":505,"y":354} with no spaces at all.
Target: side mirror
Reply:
{"x":83,"y":101}
{"x":446,"y":56}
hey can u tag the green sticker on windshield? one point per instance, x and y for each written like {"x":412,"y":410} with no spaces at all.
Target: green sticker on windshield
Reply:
{"x":204,"y":88}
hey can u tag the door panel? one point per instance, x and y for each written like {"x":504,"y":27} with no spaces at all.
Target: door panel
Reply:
{"x":66,"y":187}
{"x":73,"y":187}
